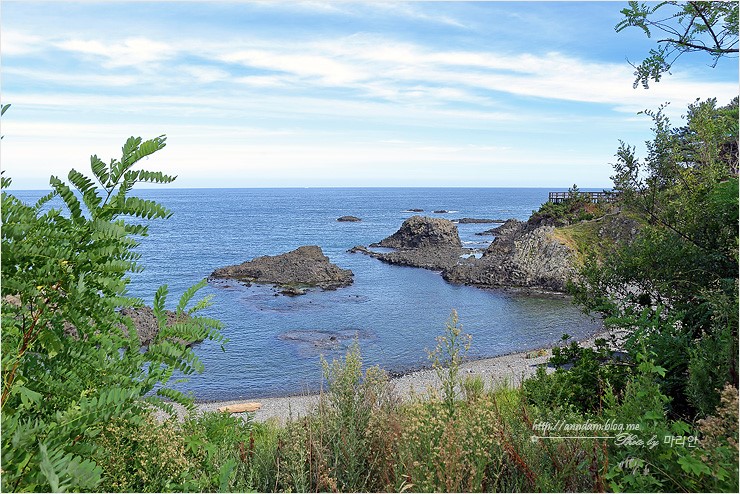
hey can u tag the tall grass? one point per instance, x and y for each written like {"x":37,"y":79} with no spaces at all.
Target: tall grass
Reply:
{"x":468,"y":438}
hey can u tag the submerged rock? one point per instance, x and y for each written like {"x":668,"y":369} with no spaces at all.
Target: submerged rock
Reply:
{"x":305,"y":265}
{"x":349,"y":218}
{"x":293,"y":291}
{"x":414,"y":210}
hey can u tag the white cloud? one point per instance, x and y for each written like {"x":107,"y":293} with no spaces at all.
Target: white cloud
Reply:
{"x":16,"y":43}
{"x":74,"y":79}
{"x":205,"y":75}
{"x":124,"y":53}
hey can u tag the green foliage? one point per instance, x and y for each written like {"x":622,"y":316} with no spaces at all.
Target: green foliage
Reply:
{"x":446,"y":359}
{"x":143,"y":456}
{"x":684,"y":27}
{"x":675,"y":286}
{"x":71,"y":362}
{"x":352,"y":401}
{"x":671,"y":455}
{"x":218,"y":444}
{"x":582,"y":378}
{"x":577,"y":207}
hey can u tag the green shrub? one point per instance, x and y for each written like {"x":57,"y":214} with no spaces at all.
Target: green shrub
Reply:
{"x":446,"y":358}
{"x":71,"y":362}
{"x":218,"y":444}
{"x":144,"y":457}
{"x":669,"y":455}
{"x":581,"y":379}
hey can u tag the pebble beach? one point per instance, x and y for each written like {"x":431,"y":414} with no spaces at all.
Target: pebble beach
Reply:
{"x":509,"y":370}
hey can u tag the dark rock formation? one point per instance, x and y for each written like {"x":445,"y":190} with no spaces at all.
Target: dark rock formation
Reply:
{"x":441,"y":211}
{"x":419,"y":232}
{"x":414,"y":210}
{"x":463,"y":221}
{"x":508,"y":226}
{"x":306,"y":265}
{"x":422,"y":242}
{"x":349,"y":218}
{"x":519,"y":257}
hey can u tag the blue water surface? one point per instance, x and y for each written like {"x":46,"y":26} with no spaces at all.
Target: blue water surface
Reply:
{"x":396,"y":311}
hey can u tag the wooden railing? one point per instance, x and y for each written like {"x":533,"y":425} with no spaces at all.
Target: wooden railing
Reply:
{"x":604,"y":196}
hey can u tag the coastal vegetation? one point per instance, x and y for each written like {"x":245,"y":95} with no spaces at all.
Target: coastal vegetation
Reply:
{"x":653,"y":407}
{"x":78,"y":393}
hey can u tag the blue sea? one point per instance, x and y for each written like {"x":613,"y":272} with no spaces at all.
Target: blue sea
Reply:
{"x":395,"y":311}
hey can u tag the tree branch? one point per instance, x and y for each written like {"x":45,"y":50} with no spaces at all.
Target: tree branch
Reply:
{"x":717,"y":51}
{"x":698,"y":10}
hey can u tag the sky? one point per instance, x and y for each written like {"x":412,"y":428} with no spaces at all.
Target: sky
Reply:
{"x":334,"y":93}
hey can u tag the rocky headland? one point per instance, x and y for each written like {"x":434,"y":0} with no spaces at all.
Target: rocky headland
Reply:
{"x":521,"y":256}
{"x":532,"y":256}
{"x":305,"y":266}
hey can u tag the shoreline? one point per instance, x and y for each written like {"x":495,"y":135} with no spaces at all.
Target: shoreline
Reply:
{"x":510,"y":369}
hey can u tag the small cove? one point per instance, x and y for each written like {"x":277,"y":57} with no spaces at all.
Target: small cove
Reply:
{"x":395,"y":311}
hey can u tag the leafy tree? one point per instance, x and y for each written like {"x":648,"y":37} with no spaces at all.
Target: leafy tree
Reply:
{"x":71,"y":362}
{"x":676,"y":285}
{"x":706,"y":27}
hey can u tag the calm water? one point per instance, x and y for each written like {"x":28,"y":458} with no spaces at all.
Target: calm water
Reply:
{"x":397,"y":311}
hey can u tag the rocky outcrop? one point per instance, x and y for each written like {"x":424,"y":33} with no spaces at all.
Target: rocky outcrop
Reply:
{"x":520,"y":258}
{"x":441,"y":211}
{"x":414,"y":210}
{"x":524,"y":255}
{"x":349,"y":218}
{"x":143,"y":318}
{"x":422,"y":232}
{"x":306,"y":266}
{"x":508,"y":226}
{"x":422,"y":242}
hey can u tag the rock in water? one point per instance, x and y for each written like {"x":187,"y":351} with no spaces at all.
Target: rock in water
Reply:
{"x":420,"y":232}
{"x":306,"y":265}
{"x":349,"y":218}
{"x":508,"y":227}
{"x":464,"y":221}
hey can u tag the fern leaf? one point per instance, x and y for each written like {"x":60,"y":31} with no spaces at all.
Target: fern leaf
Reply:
{"x":69,"y":198}
{"x":145,"y":149}
{"x":159,"y":299}
{"x":41,"y":202}
{"x":47,"y":469}
{"x":188,"y":296}
{"x":100,"y":170}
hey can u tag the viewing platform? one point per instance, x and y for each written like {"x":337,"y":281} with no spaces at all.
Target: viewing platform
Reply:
{"x":558,"y":197}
